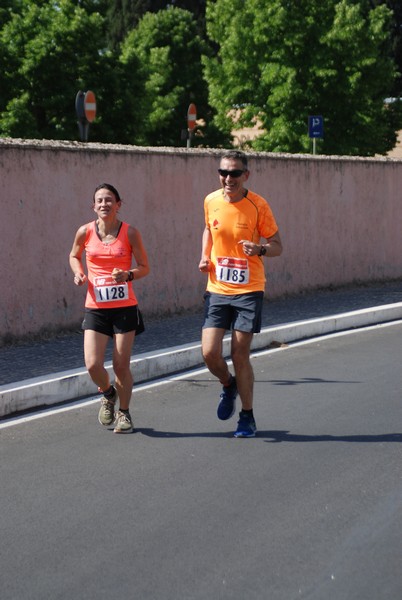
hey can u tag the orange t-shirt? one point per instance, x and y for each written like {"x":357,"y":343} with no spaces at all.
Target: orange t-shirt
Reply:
{"x":249,"y":219}
{"x":101,"y":259}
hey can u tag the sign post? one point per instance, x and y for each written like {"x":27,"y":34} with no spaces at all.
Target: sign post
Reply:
{"x":85,"y":106}
{"x":315,"y":128}
{"x":191,"y":119}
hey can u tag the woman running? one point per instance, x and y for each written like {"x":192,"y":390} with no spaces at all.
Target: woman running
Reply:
{"x":111,"y":306}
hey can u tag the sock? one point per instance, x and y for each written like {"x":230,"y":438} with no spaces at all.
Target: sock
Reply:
{"x":110,"y":393}
{"x":248,"y":413}
{"x":125,"y":411}
{"x":231,"y":381}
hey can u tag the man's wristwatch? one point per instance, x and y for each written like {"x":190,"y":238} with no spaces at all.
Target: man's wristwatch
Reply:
{"x":130,"y":276}
{"x":263,"y":250}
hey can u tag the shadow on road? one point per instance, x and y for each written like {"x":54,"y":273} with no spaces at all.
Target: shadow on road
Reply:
{"x":275,"y":437}
{"x":304,"y":380}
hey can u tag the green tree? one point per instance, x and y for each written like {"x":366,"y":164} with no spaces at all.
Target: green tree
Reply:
{"x":53,"y":50}
{"x":396,"y":38}
{"x":277,"y":63}
{"x":124,"y":15}
{"x":168,"y":48}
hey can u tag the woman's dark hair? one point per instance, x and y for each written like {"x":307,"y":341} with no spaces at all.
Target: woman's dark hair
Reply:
{"x":110,"y":187}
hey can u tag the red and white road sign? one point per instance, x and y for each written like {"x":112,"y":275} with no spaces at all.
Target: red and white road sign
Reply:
{"x":191,"y":116}
{"x":90,"y":106}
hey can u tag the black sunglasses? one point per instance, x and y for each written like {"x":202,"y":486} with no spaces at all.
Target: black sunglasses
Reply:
{"x":234,"y":173}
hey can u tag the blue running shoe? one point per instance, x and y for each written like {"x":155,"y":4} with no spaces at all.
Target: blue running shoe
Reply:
{"x":246,"y":426}
{"x":227,"y":404}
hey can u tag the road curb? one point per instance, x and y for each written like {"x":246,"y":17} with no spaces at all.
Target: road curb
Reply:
{"x":73,"y":384}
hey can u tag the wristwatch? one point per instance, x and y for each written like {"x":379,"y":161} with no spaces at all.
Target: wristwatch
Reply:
{"x":130,"y":276}
{"x":263,"y":250}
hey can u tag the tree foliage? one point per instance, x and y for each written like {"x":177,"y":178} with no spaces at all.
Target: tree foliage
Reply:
{"x":168,"y":49}
{"x":240,"y":61}
{"x":124,"y":15}
{"x":395,"y":39}
{"x":300,"y":58}
{"x":53,"y":50}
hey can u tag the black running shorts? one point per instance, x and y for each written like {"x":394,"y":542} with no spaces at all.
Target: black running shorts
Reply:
{"x":110,"y":321}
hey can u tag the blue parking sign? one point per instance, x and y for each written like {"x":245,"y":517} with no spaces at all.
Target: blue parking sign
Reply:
{"x":316,"y":126}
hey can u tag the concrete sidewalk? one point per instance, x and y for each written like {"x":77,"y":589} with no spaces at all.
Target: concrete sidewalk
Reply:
{"x":49,"y":372}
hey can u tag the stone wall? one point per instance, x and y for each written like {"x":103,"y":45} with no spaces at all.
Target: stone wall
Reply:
{"x":340,"y":220}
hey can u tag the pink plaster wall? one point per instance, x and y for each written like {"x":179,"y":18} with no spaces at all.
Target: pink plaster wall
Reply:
{"x":340,"y":221}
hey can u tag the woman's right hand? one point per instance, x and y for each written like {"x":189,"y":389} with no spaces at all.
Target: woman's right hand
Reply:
{"x":80,"y":278}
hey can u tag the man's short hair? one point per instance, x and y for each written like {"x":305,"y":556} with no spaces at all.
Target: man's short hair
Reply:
{"x":236,"y":155}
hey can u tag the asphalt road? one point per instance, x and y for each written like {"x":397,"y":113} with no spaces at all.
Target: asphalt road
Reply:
{"x":180,"y":510}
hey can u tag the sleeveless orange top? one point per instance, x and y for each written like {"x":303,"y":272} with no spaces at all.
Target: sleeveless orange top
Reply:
{"x":101,"y":259}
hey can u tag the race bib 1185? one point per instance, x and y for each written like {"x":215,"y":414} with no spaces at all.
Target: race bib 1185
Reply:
{"x":232,"y":270}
